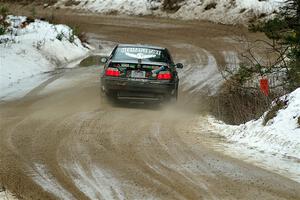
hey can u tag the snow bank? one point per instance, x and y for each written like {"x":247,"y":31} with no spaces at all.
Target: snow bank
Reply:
{"x":129,"y":7}
{"x":227,"y":11}
{"x":220,"y":11}
{"x":34,"y":49}
{"x":280,"y":135}
{"x":279,"y":138}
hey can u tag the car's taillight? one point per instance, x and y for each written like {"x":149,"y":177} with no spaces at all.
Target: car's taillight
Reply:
{"x":112,"y":72}
{"x":164,"y":75}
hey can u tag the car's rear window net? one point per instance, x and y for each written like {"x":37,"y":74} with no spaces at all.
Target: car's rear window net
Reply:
{"x":135,"y":66}
{"x":146,"y":54}
{"x":144,"y":71}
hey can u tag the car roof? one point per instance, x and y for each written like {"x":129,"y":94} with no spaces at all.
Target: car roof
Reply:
{"x":142,"y":46}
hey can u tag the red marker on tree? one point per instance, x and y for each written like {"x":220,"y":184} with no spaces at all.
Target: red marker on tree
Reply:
{"x":264,"y":86}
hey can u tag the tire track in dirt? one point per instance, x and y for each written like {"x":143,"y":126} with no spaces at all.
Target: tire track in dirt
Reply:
{"x":64,"y":141}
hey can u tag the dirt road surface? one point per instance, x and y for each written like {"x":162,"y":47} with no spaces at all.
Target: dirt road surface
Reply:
{"x":64,"y":141}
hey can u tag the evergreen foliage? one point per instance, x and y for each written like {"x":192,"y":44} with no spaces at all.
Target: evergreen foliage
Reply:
{"x":284,"y":31}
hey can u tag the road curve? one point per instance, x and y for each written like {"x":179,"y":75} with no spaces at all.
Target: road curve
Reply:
{"x":64,"y":141}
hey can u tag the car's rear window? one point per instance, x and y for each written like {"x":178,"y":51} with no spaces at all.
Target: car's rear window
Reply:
{"x":146,"y":54}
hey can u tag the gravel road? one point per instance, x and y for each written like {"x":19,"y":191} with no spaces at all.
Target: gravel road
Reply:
{"x":64,"y":141}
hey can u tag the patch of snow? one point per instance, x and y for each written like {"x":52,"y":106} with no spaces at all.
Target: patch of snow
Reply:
{"x":98,"y":182}
{"x":130,"y":7}
{"x":93,"y":181}
{"x":109,"y":185}
{"x":22,"y":87}
{"x":278,"y":140}
{"x":84,"y":182}
{"x":44,"y":178}
{"x":31,"y":51}
{"x":220,"y":11}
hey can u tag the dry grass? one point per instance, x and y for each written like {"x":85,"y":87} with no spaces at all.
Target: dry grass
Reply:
{"x":238,"y":106}
{"x":235,"y":104}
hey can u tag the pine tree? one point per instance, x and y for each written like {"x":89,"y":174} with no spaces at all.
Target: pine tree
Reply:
{"x":291,"y":13}
{"x":284,"y":29}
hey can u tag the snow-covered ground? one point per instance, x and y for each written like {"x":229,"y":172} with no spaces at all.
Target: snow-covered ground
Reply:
{"x":227,"y":11}
{"x":275,"y":146}
{"x":29,"y":52}
{"x":220,"y":11}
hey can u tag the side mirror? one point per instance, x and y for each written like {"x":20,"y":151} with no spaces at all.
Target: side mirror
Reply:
{"x":103,"y":60}
{"x":179,"y":65}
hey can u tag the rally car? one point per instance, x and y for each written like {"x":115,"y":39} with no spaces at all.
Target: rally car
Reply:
{"x":140,"y":73}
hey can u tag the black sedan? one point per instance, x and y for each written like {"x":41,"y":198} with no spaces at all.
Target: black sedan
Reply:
{"x":140,"y":73}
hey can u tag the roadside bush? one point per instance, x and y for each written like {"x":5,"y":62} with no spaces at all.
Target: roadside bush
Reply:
{"x":284,"y":32}
{"x":3,"y":24}
{"x":76,"y":32}
{"x":72,"y":35}
{"x":210,"y":6}
{"x":171,"y":5}
{"x":279,"y":104}
{"x":60,"y":36}
{"x":236,"y":105}
{"x":73,"y":32}
{"x":243,"y":101}
{"x":3,"y":11}
{"x":2,"y":30}
{"x":299,"y":122}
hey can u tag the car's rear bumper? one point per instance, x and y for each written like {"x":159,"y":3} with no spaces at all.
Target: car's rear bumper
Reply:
{"x":138,"y":88}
